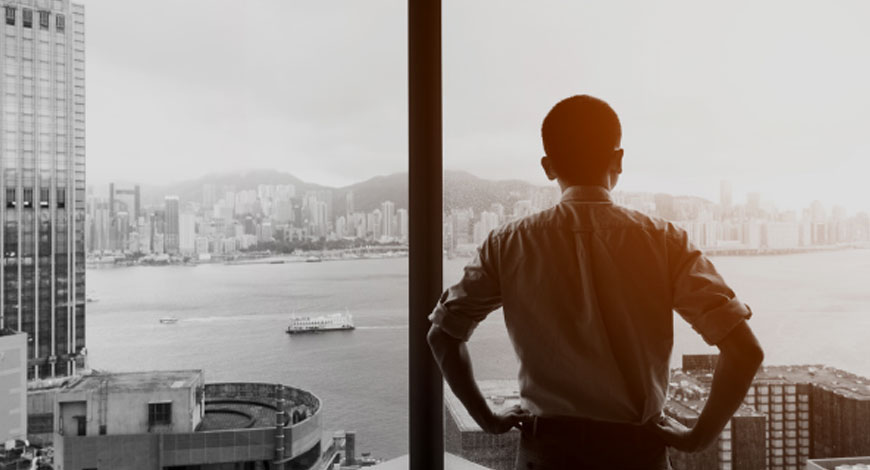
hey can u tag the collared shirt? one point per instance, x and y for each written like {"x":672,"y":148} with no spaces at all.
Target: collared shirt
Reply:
{"x":588,"y":290}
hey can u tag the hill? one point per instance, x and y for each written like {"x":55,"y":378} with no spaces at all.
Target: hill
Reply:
{"x":461,"y":189}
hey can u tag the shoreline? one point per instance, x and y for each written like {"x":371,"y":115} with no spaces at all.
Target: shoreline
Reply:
{"x":402,"y":252}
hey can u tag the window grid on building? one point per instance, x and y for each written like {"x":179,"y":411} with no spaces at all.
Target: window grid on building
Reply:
{"x":159,"y":414}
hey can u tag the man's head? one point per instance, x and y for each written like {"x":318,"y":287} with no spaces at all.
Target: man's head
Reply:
{"x":582,"y":137}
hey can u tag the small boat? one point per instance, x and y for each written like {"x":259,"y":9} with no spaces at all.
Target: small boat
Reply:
{"x":168,"y":320}
{"x":313,"y":259}
{"x":315,"y":324}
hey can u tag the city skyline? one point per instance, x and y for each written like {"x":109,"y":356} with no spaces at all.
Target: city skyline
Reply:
{"x":222,"y":220}
{"x":713,"y":194}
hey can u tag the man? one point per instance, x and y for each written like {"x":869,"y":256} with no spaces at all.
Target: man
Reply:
{"x":588,"y":290}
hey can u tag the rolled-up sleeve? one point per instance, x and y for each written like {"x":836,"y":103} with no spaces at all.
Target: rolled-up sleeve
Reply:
{"x":700,"y":295}
{"x":464,"y":305}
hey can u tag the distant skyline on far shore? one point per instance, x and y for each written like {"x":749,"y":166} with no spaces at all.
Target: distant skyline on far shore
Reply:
{"x":739,"y":192}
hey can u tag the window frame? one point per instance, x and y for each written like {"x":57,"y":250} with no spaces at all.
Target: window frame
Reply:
{"x":10,"y":15}
{"x":27,"y":18}
{"x":44,"y":20}
{"x":425,"y":200}
{"x":159,"y":413}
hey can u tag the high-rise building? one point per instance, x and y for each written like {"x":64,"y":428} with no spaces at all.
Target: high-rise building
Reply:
{"x":753,"y":204}
{"x":812,"y":411}
{"x":187,"y":233}
{"x":171,"y":238}
{"x":725,"y":196}
{"x":388,"y":211}
{"x":349,"y":209}
{"x":402,"y":223}
{"x":42,"y":168}
{"x":123,"y":204}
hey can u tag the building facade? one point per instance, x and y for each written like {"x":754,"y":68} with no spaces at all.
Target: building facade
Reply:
{"x":42,"y":170}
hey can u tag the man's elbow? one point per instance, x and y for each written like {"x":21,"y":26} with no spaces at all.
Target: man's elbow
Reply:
{"x":742,"y":345}
{"x":752,"y":356}
{"x":755,"y":354}
{"x":440,"y":341}
{"x":437,"y":338}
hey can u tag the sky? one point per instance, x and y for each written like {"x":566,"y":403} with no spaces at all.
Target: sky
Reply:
{"x":771,"y":96}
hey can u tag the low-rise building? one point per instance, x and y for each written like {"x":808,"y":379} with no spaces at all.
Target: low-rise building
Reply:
{"x":13,"y":385}
{"x":173,"y":419}
{"x":465,"y":438}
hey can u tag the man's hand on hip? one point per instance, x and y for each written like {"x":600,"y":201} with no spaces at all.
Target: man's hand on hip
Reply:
{"x":500,"y":423}
{"x":674,"y":434}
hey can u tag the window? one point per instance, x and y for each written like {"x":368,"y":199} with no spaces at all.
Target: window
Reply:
{"x":60,"y":23}
{"x":27,"y":19}
{"x":44,"y":196}
{"x":43,"y":20}
{"x":159,"y":413}
{"x":81,"y":425}
{"x":10,"y":16}
{"x":61,"y":198}
{"x":10,"y":198}
{"x":28,"y":198}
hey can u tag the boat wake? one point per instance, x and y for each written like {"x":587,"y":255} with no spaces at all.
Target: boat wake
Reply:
{"x":383,"y":327}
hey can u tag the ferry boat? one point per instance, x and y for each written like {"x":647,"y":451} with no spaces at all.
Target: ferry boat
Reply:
{"x":309,"y":324}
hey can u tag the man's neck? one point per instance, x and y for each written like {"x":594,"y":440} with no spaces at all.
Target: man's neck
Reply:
{"x":604,"y":182}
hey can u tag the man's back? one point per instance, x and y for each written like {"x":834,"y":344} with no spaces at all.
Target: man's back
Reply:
{"x":588,"y":289}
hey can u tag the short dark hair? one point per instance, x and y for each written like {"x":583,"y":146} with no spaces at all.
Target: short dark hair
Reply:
{"x":579,"y":133}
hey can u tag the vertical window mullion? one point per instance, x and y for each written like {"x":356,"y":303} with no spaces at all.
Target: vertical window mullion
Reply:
{"x":425,"y":246}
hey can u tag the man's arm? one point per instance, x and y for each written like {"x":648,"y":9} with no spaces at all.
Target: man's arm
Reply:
{"x":452,"y":357}
{"x":739,"y":359}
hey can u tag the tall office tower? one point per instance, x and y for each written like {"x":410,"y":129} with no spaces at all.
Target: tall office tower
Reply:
{"x":42,"y":170}
{"x":187,"y":233}
{"x":753,"y":204}
{"x":348,"y":204}
{"x":388,"y":211}
{"x":171,"y":238}
{"x":126,"y":201}
{"x":402,"y":223}
{"x":725,"y":195}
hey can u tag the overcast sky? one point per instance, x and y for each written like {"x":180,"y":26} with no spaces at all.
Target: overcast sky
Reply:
{"x":771,"y":95}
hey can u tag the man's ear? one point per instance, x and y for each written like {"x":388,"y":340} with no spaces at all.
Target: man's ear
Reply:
{"x":547,"y":165}
{"x":616,"y":162}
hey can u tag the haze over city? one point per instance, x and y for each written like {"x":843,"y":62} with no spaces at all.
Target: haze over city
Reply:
{"x":783,"y":114}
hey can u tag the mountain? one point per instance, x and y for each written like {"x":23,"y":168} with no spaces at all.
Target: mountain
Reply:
{"x":191,"y":190}
{"x":461,"y":189}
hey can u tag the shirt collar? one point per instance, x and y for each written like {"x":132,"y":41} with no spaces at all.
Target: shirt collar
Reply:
{"x":591,"y":194}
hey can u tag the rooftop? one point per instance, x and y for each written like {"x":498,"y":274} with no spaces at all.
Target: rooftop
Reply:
{"x":826,"y":377}
{"x":237,"y":415}
{"x":8,"y":332}
{"x":137,"y":381}
{"x":687,"y":396}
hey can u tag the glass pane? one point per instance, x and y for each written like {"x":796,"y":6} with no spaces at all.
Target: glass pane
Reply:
{"x":238,"y":253}
{"x":740,"y":125}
